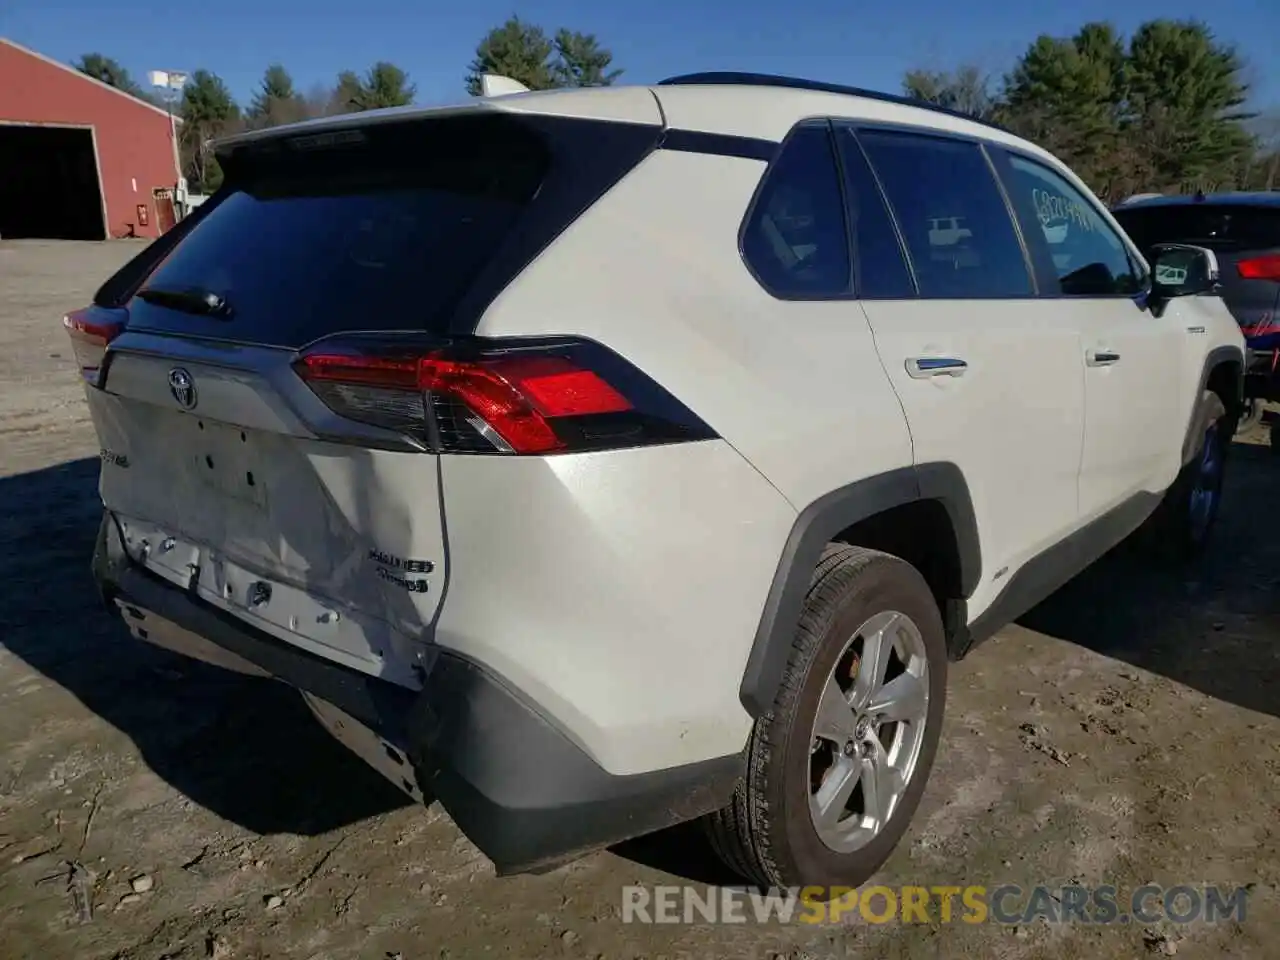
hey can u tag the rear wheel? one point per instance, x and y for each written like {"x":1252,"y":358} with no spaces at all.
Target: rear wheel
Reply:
{"x":1182,"y":524}
{"x":837,"y":767}
{"x":1205,"y":494}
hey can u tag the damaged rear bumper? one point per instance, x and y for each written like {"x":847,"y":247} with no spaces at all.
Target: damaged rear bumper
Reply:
{"x":515,"y":784}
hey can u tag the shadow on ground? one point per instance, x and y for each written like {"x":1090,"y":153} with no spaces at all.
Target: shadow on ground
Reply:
{"x":249,"y":751}
{"x":682,"y":851}
{"x":1213,"y":625}
{"x":246,"y":749}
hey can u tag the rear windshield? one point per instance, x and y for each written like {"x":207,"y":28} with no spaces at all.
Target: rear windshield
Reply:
{"x":376,"y":229}
{"x":1220,"y":227}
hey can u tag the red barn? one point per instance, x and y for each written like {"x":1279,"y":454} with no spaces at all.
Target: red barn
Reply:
{"x":79,"y":160}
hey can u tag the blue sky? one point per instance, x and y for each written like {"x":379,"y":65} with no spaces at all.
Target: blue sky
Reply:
{"x":837,"y":40}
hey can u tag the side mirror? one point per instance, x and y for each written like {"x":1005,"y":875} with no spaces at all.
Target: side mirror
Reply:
{"x":1181,"y":270}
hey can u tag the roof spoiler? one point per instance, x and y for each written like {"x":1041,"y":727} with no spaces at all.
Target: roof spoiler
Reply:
{"x":494,"y":85}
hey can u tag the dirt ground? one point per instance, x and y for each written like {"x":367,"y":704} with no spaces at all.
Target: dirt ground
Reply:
{"x":1153,"y":756}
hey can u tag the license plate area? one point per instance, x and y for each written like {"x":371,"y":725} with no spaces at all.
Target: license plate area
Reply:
{"x":226,"y":462}
{"x":281,"y":609}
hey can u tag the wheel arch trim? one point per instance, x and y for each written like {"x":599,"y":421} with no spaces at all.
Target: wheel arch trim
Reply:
{"x":1217,"y":357}
{"x":814,"y":528}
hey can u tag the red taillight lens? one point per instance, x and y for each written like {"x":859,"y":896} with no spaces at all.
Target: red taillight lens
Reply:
{"x":555,"y":387}
{"x":1260,"y":268}
{"x":91,"y":331}
{"x":395,"y":373}
{"x":525,"y":401}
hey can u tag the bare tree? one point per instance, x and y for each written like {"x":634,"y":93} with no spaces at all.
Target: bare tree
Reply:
{"x":319,"y":100}
{"x":1263,"y":169}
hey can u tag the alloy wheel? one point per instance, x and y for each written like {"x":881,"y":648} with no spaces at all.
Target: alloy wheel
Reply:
{"x":868,"y":731}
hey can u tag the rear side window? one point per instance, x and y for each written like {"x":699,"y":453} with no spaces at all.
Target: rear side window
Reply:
{"x":1088,"y":257}
{"x":384,"y":227}
{"x":957,"y":227}
{"x":794,"y":240}
{"x":881,"y":269}
{"x":1221,"y":227}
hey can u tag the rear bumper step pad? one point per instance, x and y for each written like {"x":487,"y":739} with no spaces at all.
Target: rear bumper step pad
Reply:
{"x":514,"y":783}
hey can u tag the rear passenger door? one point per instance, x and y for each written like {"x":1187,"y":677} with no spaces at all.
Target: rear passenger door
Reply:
{"x":1132,"y":358}
{"x":990,"y":375}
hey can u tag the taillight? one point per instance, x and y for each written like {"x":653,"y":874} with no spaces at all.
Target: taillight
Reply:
{"x":1260,"y":268}
{"x":484,"y":396}
{"x":91,"y":331}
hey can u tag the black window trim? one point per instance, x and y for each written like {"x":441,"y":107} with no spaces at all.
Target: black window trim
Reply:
{"x":1038,"y":252}
{"x":1051,"y":287}
{"x":1043,"y":276}
{"x":854,"y":125}
{"x":904,"y":252}
{"x":850,"y":233}
{"x":805,"y":123}
{"x":1039,"y":283}
{"x":984,"y":145}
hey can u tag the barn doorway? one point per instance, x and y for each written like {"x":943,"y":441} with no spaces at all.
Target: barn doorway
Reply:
{"x":49,"y":185}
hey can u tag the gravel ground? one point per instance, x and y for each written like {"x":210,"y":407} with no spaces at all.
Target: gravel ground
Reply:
{"x":1125,"y":733}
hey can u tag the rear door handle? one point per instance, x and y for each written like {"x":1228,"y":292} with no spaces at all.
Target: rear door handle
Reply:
{"x":921,"y":368}
{"x":1101,"y":358}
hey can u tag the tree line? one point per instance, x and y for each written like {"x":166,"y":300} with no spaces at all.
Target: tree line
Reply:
{"x":209,"y":110}
{"x":516,"y":49}
{"x":1162,"y":110}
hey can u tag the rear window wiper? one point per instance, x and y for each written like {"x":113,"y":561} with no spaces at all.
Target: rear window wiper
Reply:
{"x":188,"y":300}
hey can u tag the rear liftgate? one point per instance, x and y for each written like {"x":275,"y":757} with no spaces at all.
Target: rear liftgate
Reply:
{"x":273,"y":386}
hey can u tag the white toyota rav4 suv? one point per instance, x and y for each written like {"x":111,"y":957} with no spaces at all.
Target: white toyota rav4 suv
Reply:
{"x":597,"y":460}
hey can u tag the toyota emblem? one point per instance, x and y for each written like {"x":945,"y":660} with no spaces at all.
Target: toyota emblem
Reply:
{"x":182,"y":387}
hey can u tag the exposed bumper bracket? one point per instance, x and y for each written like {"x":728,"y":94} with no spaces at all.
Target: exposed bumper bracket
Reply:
{"x":517,"y":786}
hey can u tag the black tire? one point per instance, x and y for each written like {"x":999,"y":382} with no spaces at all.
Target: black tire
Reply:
{"x":1178,"y":532}
{"x":767,"y":834}
{"x":1274,"y":436}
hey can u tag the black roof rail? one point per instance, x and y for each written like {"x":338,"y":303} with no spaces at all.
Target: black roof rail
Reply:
{"x":732,"y":78}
